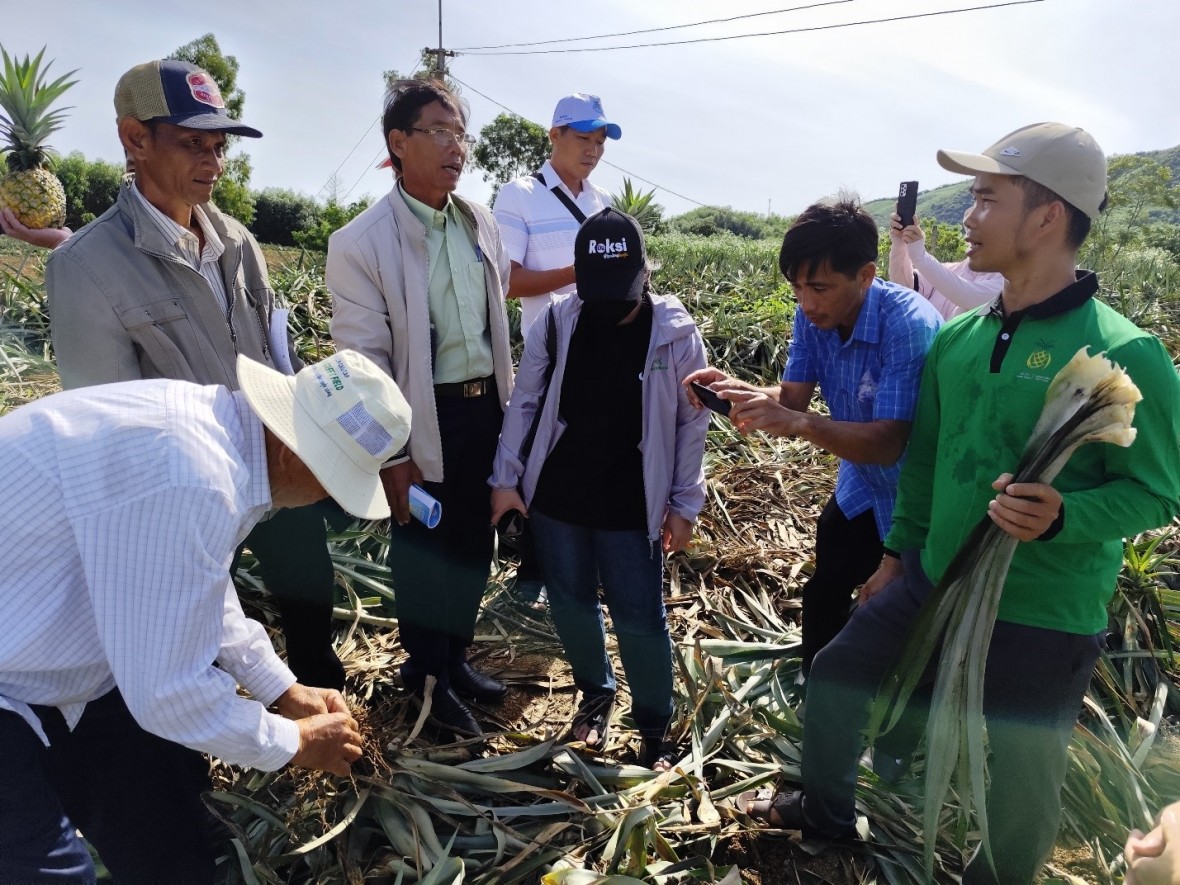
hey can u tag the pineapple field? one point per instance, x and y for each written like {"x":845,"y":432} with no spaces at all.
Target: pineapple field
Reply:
{"x":529,"y":808}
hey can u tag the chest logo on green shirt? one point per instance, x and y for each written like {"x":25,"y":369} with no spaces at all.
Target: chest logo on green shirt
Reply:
{"x":1037,"y":362}
{"x":1040,"y":358}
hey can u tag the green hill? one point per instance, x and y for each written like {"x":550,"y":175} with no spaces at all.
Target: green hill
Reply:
{"x":949,"y":202}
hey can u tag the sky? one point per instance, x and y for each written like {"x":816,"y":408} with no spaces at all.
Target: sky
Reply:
{"x":761,"y":124}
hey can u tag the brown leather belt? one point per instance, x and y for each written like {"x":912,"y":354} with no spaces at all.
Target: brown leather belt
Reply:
{"x":467,"y":389}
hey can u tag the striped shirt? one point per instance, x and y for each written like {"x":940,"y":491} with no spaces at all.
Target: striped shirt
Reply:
{"x":873,"y":376}
{"x":188,"y":247}
{"x":538,"y":230}
{"x":133,"y":498}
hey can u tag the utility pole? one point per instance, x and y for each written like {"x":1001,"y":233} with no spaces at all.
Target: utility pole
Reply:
{"x":440,"y":54}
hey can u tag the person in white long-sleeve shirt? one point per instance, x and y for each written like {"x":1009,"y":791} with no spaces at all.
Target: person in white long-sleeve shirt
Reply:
{"x":950,"y":287}
{"x":123,"y":640}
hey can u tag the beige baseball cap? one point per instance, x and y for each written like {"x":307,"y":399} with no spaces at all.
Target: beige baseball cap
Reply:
{"x":1065,"y":159}
{"x":342,"y":416}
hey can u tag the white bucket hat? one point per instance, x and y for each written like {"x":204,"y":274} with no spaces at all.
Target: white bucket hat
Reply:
{"x":343,"y":417}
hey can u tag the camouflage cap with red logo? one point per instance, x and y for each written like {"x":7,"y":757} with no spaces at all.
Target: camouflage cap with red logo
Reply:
{"x":176,"y":92}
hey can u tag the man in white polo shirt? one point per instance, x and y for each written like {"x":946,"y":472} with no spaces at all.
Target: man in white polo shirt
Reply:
{"x":540,"y":214}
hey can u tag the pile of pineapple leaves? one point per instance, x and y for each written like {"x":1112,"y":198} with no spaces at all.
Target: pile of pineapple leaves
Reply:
{"x":527,"y":807}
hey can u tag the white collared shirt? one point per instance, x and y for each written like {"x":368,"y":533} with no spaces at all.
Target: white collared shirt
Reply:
{"x":538,"y":230}
{"x":188,"y":247}
{"x":133,"y":498}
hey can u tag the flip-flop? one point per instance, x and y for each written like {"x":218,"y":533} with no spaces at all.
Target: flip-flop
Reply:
{"x":594,"y":712}
{"x":658,"y":754}
{"x":761,"y":803}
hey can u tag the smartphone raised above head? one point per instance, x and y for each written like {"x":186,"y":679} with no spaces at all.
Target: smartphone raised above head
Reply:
{"x":907,"y":202}
{"x":710,"y":400}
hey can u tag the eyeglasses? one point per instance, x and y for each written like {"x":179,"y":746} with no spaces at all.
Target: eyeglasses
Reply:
{"x":443,"y":136}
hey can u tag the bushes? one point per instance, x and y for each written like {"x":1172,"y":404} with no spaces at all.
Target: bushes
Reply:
{"x":91,"y":187}
{"x":279,"y":213}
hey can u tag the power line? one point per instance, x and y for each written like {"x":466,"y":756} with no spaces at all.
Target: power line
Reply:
{"x":380,"y":154}
{"x":607,"y":162}
{"x":712,"y":21}
{"x":829,"y":27}
{"x":360,"y":140}
{"x":348,"y":156}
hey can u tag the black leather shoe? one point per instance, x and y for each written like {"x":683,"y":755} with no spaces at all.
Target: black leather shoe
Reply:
{"x":451,"y":713}
{"x":468,"y":682}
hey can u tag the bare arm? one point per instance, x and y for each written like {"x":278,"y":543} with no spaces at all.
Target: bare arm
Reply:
{"x":861,"y":442}
{"x":526,"y":283}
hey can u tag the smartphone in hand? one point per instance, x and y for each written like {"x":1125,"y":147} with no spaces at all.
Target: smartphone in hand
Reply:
{"x":710,"y":399}
{"x":907,"y":202}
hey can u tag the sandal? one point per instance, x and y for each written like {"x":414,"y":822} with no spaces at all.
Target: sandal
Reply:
{"x":784,"y":811}
{"x":778,"y":810}
{"x":594,"y":712}
{"x":658,"y":754}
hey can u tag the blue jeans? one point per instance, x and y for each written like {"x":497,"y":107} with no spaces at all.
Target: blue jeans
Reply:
{"x":573,"y":560}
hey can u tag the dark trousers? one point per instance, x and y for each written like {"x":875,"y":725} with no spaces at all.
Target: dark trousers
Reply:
{"x":135,"y":796}
{"x":1033,"y":691}
{"x":847,"y":552}
{"x":440,"y":574}
{"x":292,"y":552}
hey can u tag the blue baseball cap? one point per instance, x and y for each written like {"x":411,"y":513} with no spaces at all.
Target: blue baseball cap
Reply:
{"x":179,"y":93}
{"x":584,"y":113}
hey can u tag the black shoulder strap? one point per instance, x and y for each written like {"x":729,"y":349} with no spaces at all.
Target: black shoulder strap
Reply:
{"x":526,"y":447}
{"x":569,"y":204}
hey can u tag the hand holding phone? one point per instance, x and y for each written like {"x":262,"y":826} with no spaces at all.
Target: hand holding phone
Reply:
{"x":907,"y":202}
{"x":710,"y":400}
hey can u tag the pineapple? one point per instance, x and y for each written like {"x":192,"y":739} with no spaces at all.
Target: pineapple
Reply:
{"x":30,"y":190}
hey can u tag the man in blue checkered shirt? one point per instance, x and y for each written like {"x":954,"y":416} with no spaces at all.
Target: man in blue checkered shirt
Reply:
{"x":863,"y":341}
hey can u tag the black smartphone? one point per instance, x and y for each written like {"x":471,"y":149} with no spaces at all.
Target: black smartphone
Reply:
{"x":907,"y":202}
{"x":710,"y":399}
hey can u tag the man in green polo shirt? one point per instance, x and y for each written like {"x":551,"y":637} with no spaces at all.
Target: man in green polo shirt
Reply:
{"x":1035,"y":193}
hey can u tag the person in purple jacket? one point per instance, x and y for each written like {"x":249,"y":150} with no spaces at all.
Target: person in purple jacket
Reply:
{"x":613,"y":478}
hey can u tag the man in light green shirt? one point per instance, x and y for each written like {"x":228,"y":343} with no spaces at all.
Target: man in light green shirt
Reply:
{"x":418,"y":282}
{"x":457,"y":295}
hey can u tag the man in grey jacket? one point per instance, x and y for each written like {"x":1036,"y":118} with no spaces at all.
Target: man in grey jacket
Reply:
{"x":418,"y":282}
{"x":163,"y":285}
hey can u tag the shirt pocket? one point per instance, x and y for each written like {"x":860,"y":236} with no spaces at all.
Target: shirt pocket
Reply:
{"x":166,"y":339}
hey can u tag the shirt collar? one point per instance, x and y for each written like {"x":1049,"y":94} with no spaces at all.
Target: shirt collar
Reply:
{"x":180,"y":236}
{"x":428,"y":215}
{"x":1073,"y":296}
{"x":551,"y":180}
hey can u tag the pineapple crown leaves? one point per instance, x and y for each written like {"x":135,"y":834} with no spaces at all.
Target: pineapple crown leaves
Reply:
{"x":25,"y":98}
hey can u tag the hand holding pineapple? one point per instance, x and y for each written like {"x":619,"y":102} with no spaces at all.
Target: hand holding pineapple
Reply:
{"x":45,"y":237}
{"x":30,"y":190}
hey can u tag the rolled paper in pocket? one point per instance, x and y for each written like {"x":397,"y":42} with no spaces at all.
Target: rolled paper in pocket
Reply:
{"x":424,"y":508}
